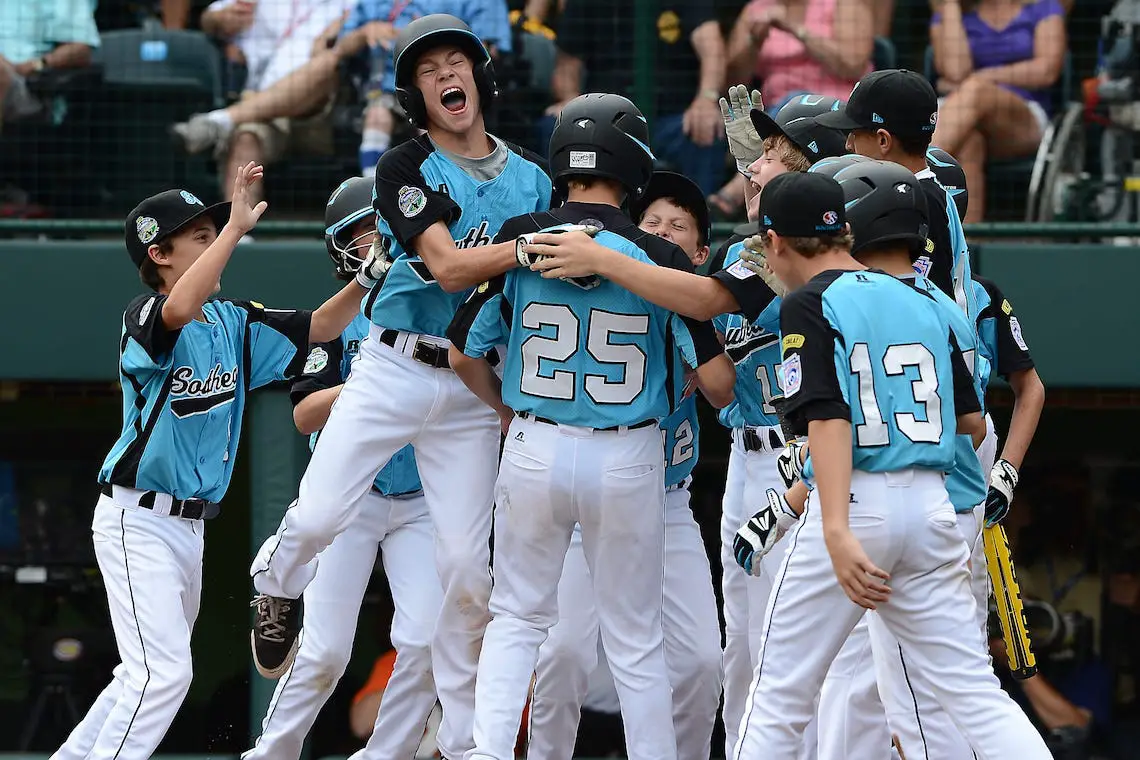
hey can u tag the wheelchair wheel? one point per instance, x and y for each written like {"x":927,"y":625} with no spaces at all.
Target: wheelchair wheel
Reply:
{"x":1059,"y":166}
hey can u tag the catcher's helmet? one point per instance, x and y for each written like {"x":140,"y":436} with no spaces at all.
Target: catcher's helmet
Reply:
{"x":431,"y":31}
{"x":885,"y":204}
{"x":601,"y":135}
{"x":348,"y":204}
{"x":949,"y":172}
{"x":681,"y":189}
{"x":795,"y":121}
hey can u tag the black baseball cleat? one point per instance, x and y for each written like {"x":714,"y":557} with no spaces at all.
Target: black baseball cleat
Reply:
{"x":275,"y":635}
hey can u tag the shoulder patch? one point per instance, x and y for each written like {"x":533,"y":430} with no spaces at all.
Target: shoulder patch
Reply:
{"x":1006,"y":306}
{"x":794,"y":340}
{"x":257,"y":305}
{"x":922,"y":265}
{"x":411,"y":201}
{"x":144,"y":312}
{"x":317,"y":361}
{"x":793,"y":375}
{"x":1018,"y":338}
{"x":738,"y":270}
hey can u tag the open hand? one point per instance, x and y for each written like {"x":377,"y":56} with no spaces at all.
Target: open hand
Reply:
{"x":243,"y":213}
{"x":379,"y":34}
{"x":863,"y":582}
{"x":736,"y":112}
{"x":702,"y":122}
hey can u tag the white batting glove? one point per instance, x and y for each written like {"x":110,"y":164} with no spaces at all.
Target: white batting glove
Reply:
{"x":754,"y":258}
{"x":757,"y":536}
{"x":375,"y":266}
{"x":525,"y":259}
{"x":743,"y":141}
{"x":1003,"y":479}
{"x":790,"y":462}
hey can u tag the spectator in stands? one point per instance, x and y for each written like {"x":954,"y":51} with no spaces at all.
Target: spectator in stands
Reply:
{"x":272,"y":39}
{"x":793,"y":47}
{"x":884,"y":11}
{"x":995,"y":62}
{"x":372,"y":25}
{"x":687,"y":77}
{"x":38,"y":36}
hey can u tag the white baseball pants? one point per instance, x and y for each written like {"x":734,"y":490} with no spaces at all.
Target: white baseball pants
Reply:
{"x":750,"y":474}
{"x":612,"y":484}
{"x":907,"y":526}
{"x":402,"y":528}
{"x":152,"y":569}
{"x":692,"y":644}
{"x":388,"y":401}
{"x":851,"y":720}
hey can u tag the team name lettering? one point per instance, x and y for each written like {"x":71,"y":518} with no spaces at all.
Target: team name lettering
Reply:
{"x":476,"y":236}
{"x":200,"y":396}
{"x":184,"y":383}
{"x":741,"y":342}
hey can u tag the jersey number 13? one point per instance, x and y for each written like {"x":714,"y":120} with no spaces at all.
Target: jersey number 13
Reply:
{"x":924,"y":392}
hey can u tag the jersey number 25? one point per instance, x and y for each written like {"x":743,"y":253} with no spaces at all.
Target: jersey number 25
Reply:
{"x":601,"y":327}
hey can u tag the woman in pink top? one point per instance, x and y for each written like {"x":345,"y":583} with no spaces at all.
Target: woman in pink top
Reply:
{"x":794,"y":47}
{"x":996,"y":61}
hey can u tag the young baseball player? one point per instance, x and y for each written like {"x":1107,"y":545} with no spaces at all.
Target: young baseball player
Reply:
{"x":440,"y":198}
{"x":674,"y":208}
{"x":393,"y":516}
{"x":891,"y":115}
{"x":187,"y":361}
{"x":880,"y":390}
{"x":587,"y":377}
{"x":792,"y":142}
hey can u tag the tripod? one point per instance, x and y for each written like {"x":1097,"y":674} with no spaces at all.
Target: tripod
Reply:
{"x":56,"y":689}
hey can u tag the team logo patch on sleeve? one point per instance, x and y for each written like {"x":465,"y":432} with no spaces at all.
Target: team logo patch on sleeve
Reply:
{"x":317,"y":361}
{"x":793,"y":375}
{"x":144,"y":312}
{"x":922,"y":265}
{"x":1018,"y":338}
{"x":1006,"y":307}
{"x":411,"y":201}
{"x":738,"y":270}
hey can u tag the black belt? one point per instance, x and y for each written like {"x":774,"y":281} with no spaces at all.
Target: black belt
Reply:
{"x":423,"y":352}
{"x":429,"y":353}
{"x":614,"y":429}
{"x":753,"y":441}
{"x":188,"y":509}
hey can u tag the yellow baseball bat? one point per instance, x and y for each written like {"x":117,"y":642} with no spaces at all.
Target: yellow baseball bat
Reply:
{"x":1007,"y":593}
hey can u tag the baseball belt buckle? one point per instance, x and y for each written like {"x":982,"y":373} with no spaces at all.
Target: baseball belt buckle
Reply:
{"x":196,"y":509}
{"x":428,"y":354}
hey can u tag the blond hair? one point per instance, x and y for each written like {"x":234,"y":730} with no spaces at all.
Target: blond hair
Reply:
{"x":809,"y":247}
{"x":790,"y":156}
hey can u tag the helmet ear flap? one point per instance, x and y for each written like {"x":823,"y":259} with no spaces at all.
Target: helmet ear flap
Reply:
{"x":412,"y":101}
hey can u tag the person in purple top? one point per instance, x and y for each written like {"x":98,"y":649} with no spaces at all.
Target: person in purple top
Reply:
{"x":996,"y":61}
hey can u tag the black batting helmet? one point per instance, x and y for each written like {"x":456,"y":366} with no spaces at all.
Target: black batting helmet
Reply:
{"x":602,"y":135}
{"x":835,"y":164}
{"x":431,"y":31}
{"x":796,"y":122}
{"x":950,"y":174}
{"x":348,"y":204}
{"x":885,"y":204}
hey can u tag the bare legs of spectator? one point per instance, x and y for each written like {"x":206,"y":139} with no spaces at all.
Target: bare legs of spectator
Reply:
{"x":244,"y":147}
{"x":6,"y":79}
{"x":884,"y":13}
{"x":377,"y":136}
{"x":972,"y":157}
{"x":1003,"y":118}
{"x":303,"y":92}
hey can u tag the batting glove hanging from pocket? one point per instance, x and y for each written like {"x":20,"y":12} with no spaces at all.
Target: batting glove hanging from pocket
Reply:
{"x":757,"y":536}
{"x":525,"y":258}
{"x":790,"y":463}
{"x":1003,"y":479}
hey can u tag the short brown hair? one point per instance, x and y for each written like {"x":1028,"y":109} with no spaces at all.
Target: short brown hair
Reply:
{"x":148,"y":270}
{"x":790,"y":156}
{"x":810,"y":247}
